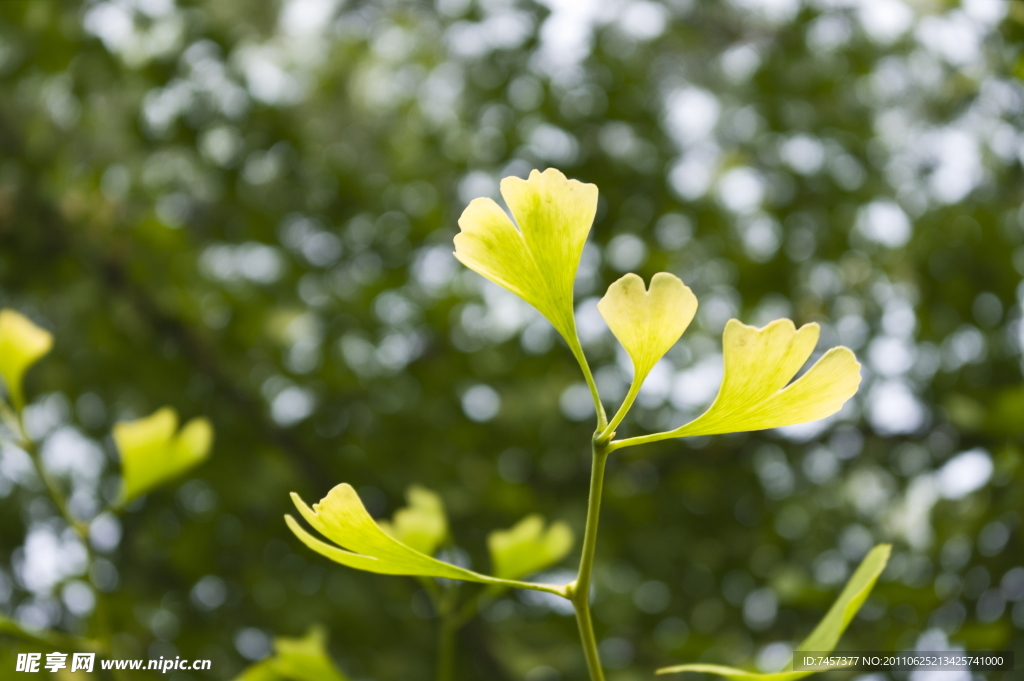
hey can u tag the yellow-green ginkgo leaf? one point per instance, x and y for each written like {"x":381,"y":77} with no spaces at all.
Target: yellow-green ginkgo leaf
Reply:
{"x":422,"y":525}
{"x":296,"y":659}
{"x":647,"y":322}
{"x":825,"y":636}
{"x":537,"y":261}
{"x":360,"y":543}
{"x":756,"y":392}
{"x":154,"y":451}
{"x":22,"y":344}
{"x":526,"y":548}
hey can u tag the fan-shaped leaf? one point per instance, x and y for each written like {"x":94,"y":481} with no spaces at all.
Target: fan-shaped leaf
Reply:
{"x":759,"y":363}
{"x":422,"y":525}
{"x":526,"y":548}
{"x":537,"y":261}
{"x":22,"y":344}
{"x":152,"y":453}
{"x":296,"y":659}
{"x":647,"y":323}
{"x":342,"y":518}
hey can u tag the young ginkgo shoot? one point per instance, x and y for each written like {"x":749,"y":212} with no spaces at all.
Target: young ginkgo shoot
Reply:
{"x":535,"y":254}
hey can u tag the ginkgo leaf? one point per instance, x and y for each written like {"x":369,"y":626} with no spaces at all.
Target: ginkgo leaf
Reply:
{"x":537,"y":261}
{"x":422,"y":525}
{"x":296,"y":659}
{"x":759,"y":363}
{"x":360,"y":543}
{"x":647,"y":322}
{"x":152,"y":452}
{"x":826,"y":635}
{"x":526,"y":548}
{"x":22,"y":344}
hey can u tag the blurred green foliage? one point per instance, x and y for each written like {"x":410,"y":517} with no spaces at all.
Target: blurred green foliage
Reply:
{"x":245,"y":211}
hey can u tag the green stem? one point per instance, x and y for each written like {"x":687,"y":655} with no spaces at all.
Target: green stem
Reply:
{"x":644,"y":439}
{"x":580,"y":591}
{"x":471,"y":607}
{"x":446,"y":649}
{"x":81,"y":529}
{"x":53,"y":491}
{"x":609,"y":431}
{"x":556,"y":589}
{"x":577,"y":351}
{"x":451,"y":619}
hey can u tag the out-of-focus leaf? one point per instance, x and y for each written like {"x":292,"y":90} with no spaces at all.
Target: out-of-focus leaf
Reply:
{"x":526,"y":548}
{"x":152,"y":452}
{"x":1006,"y":415}
{"x":647,"y":322}
{"x":22,"y":344}
{"x":261,"y":671}
{"x":965,"y":413}
{"x":296,"y":659}
{"x":342,"y":518}
{"x":826,"y":635}
{"x":422,"y":525}
{"x":47,"y":637}
{"x":537,"y":261}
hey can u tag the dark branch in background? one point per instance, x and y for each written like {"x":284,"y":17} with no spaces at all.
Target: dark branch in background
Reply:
{"x":107,"y":268}
{"x":475,"y":643}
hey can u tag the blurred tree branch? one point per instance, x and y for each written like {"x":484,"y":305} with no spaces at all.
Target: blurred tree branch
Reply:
{"x":108,"y":267}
